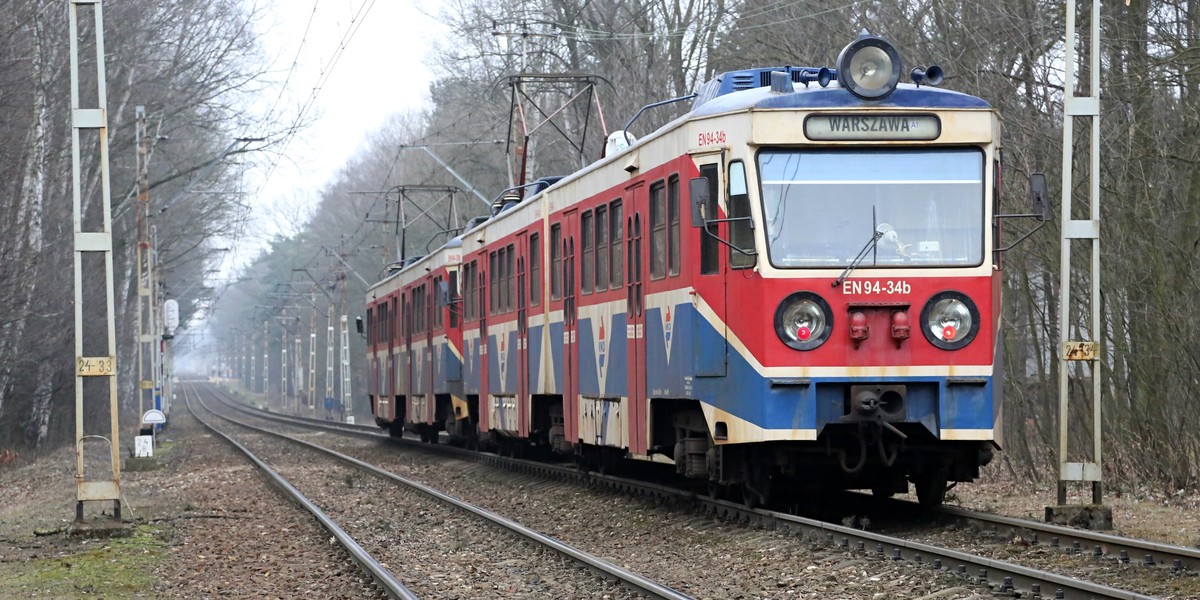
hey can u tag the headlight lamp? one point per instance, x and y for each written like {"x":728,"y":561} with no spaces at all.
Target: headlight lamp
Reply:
{"x":950,"y":320}
{"x":869,"y":67}
{"x":803,"y":321}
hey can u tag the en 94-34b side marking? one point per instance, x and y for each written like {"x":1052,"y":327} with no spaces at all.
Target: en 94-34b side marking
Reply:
{"x":863,"y":287}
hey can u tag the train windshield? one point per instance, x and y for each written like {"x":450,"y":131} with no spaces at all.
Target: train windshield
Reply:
{"x":923,"y":207}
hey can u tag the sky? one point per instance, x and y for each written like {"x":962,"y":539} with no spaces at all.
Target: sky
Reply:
{"x":368,"y":59}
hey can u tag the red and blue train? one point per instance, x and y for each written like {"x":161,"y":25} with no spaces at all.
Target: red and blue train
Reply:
{"x":793,"y":287}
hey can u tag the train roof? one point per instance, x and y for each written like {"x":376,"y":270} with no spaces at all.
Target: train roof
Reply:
{"x":906,"y":96}
{"x":732,"y":92}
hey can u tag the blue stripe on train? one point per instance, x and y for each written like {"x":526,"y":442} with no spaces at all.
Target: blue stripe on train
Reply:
{"x":747,"y":395}
{"x":697,"y":349}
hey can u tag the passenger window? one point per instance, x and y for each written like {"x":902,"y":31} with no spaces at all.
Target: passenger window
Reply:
{"x":658,"y":231}
{"x":556,"y":262}
{"x":673,"y":225}
{"x":508,"y":278}
{"x":585,"y":230}
{"x":616,"y":247}
{"x":535,"y":270}
{"x":601,"y":248}
{"x":493,"y":272}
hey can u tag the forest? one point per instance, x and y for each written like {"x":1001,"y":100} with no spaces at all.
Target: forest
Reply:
{"x":196,"y":65}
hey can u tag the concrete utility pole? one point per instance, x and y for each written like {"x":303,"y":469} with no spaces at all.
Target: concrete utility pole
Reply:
{"x":339,"y":267}
{"x":145,"y":273}
{"x":266,"y":388}
{"x":344,"y":332}
{"x":95,"y":121}
{"x":312,"y":353}
{"x":248,"y":374}
{"x":283,"y":362}
{"x":1080,"y":357}
{"x":345,"y":349}
{"x":298,"y":365}
{"x":156,"y":321}
{"x":329,"y":342}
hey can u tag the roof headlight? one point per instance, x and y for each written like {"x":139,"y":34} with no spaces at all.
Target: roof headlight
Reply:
{"x":869,"y":67}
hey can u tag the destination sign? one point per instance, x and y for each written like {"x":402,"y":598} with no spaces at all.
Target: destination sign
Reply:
{"x":872,"y":127}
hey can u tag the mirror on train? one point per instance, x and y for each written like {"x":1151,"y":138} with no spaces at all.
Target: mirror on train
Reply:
{"x":358,"y":324}
{"x":698,"y":191}
{"x":1038,"y":196}
{"x":1039,"y":201}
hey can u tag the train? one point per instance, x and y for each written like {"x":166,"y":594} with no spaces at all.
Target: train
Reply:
{"x":792,"y":288}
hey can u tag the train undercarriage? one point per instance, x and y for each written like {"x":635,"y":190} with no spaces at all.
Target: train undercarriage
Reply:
{"x":885,"y":459}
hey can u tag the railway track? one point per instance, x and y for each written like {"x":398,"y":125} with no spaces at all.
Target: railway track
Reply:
{"x":1100,"y":546}
{"x":515,"y":566}
{"x":1128,"y":558}
{"x":382,"y":577}
{"x":1000,"y":576}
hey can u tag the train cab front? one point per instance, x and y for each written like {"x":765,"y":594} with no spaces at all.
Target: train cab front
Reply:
{"x":862,"y":335}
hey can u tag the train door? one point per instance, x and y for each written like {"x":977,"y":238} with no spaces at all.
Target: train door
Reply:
{"x":485,"y":423}
{"x":570,"y":317}
{"x":635,"y":329}
{"x":430,"y":291}
{"x":406,"y":368}
{"x":523,"y":398}
{"x":392,"y":342}
{"x":709,"y":358}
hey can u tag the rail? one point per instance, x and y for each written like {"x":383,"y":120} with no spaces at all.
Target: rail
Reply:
{"x":384,"y":578}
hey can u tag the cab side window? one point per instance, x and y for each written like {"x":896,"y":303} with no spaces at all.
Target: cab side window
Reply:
{"x":710,"y":247}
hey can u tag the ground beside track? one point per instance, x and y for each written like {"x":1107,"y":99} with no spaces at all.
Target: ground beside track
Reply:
{"x":205,"y":524}
{"x":192,"y":515}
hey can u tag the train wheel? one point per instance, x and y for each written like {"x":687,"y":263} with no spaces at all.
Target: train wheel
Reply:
{"x":931,"y":488}
{"x":396,"y":429}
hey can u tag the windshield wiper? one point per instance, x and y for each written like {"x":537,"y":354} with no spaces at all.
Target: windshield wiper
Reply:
{"x":862,"y":254}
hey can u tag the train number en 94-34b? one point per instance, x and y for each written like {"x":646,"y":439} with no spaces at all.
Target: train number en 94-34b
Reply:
{"x":863,"y":287}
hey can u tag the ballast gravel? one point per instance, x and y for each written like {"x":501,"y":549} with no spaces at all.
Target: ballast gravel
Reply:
{"x":229,"y":533}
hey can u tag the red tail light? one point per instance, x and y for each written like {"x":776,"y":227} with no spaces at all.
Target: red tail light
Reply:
{"x":859,"y":330}
{"x":900,"y":327}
